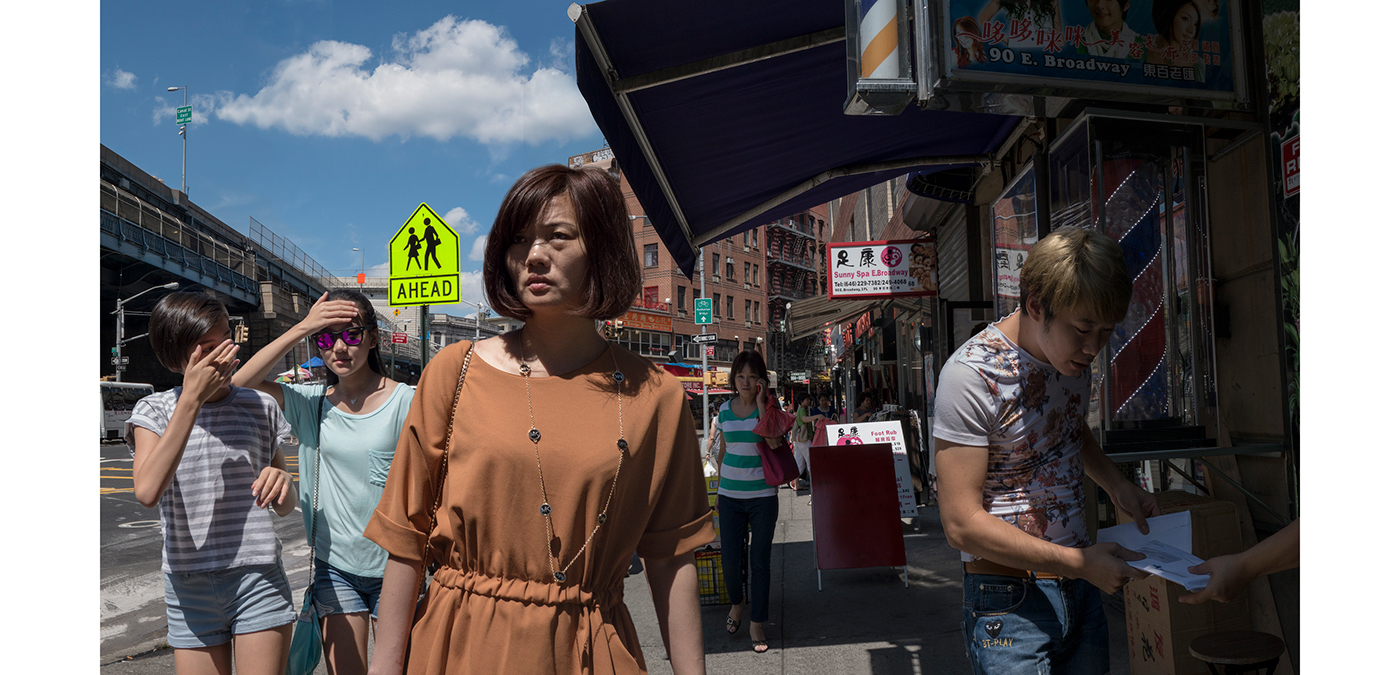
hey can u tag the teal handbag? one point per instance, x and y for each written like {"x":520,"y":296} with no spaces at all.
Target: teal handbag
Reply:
{"x":306,"y":649}
{"x":306,"y":641}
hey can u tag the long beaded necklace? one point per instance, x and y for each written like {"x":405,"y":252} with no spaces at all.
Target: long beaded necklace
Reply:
{"x":560,"y":575}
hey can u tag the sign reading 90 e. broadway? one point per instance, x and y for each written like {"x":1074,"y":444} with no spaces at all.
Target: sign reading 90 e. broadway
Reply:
{"x":881,"y":269}
{"x":1185,"y":47}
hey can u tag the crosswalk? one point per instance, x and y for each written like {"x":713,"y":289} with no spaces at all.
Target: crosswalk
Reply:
{"x":115,"y":474}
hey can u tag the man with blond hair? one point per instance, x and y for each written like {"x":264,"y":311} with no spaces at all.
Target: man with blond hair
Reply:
{"x":1012,"y":449}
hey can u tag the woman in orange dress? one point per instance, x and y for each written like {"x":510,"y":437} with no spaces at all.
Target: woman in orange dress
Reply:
{"x":567,"y":454}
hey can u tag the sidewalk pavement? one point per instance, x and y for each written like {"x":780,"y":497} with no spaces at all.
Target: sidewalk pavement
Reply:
{"x":863,"y":621}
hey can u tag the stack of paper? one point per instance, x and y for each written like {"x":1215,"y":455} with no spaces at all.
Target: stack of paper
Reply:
{"x":1167,"y":546}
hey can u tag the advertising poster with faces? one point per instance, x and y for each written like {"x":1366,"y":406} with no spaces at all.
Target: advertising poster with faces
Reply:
{"x":1178,"y":44}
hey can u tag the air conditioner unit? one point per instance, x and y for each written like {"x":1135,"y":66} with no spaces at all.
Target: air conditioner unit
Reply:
{"x":748,"y":324}
{"x":714,"y":277}
{"x":748,"y":285}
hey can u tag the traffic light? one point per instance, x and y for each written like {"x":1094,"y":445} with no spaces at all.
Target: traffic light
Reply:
{"x":609,"y":332}
{"x":240,"y":333}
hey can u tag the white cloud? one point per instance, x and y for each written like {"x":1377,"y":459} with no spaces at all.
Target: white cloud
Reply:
{"x":473,"y":290}
{"x":561,"y":53}
{"x":463,"y":78}
{"x":478,"y":249}
{"x":380,"y":270}
{"x":122,"y":79}
{"x":460,"y":221}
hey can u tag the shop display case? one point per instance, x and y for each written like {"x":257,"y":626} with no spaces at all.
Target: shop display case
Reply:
{"x":1142,"y":183}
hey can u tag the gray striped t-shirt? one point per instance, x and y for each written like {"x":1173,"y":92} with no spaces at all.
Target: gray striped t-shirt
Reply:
{"x":209,"y":518}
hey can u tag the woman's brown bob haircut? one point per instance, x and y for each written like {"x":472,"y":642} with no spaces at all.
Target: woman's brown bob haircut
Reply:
{"x":178,"y":321}
{"x":614,"y":276}
{"x":1074,"y":265}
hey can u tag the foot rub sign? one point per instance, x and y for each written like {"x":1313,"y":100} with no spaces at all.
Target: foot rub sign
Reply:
{"x":424,"y":262}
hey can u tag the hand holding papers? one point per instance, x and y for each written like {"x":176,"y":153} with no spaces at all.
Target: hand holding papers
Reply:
{"x":1167,"y":547}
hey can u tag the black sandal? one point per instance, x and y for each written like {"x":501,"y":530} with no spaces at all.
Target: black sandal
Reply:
{"x":760,"y":646}
{"x":731,"y":625}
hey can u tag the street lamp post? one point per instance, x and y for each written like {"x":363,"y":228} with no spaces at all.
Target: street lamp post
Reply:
{"x":184,"y":137}
{"x":120,"y":311}
{"x":362,"y":268}
{"x":479,"y":312}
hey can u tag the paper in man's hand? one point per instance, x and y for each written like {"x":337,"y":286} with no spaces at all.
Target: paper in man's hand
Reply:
{"x":1167,"y":546}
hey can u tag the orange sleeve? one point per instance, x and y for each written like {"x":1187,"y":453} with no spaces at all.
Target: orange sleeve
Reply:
{"x":680,"y":521}
{"x":400,"y":523}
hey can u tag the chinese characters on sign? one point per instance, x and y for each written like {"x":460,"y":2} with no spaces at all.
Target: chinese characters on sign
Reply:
{"x":868,"y":269}
{"x":1092,"y":43}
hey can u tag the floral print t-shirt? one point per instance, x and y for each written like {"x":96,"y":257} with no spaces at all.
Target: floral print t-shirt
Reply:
{"x":1030,"y":417}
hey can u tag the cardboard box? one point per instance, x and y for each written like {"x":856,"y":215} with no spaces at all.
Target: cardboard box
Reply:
{"x":712,"y":491}
{"x":711,"y":574}
{"x":1160,"y":628}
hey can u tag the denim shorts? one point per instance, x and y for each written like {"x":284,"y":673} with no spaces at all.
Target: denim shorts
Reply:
{"x":1041,"y":626}
{"x":340,"y":592}
{"x":204,"y":609}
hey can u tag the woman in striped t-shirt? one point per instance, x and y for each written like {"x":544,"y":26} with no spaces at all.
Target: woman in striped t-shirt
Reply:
{"x":746,"y":503}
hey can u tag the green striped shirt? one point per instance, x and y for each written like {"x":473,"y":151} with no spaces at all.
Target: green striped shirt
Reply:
{"x":741,"y":472}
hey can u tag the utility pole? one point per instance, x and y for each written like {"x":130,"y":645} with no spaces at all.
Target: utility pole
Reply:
{"x":704,"y":357}
{"x":121,"y":326}
{"x":423,"y":338}
{"x":184,"y":136}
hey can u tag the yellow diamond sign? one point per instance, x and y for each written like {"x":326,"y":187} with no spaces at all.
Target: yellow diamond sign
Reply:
{"x":424,"y":259}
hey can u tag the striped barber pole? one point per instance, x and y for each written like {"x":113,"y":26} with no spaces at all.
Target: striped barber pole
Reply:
{"x":1137,"y":351}
{"x":879,"y":39}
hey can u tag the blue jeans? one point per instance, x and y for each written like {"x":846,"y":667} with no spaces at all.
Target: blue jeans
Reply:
{"x":1041,"y":626}
{"x":736,"y":518}
{"x":204,"y":609}
{"x":340,"y":592}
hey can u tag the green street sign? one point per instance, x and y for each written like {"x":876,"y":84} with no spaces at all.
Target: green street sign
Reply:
{"x":184,"y":114}
{"x":704,"y":311}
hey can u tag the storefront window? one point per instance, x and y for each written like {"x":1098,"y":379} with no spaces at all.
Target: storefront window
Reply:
{"x":1132,"y":181}
{"x":1015,"y":229}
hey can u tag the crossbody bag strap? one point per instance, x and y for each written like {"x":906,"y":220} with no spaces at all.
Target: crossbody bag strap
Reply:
{"x":316,"y":488}
{"x":446,"y":450}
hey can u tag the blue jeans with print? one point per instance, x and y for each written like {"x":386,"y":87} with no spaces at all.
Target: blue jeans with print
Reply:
{"x":1040,"y":626}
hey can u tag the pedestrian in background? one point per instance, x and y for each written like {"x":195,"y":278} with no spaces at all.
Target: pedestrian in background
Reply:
{"x":208,"y":454}
{"x":348,"y":429}
{"x":802,"y":438}
{"x":1012,"y":450}
{"x":746,"y":502}
{"x":534,"y":511}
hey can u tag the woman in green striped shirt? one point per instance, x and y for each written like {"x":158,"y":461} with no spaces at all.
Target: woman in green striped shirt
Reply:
{"x":746,"y":503}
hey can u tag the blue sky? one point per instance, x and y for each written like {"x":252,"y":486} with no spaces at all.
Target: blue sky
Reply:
{"x":329,"y":122}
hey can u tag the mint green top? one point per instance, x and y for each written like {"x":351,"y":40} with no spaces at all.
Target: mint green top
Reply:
{"x":355,"y":454}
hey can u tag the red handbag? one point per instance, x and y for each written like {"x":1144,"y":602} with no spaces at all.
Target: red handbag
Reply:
{"x":774,"y":422}
{"x":779,"y":467}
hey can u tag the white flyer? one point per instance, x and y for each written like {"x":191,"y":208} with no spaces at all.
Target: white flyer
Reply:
{"x":1167,"y":546}
{"x":881,"y":432}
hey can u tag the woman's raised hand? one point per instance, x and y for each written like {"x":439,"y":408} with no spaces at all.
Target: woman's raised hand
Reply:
{"x":326,"y":313}
{"x":206,"y":374}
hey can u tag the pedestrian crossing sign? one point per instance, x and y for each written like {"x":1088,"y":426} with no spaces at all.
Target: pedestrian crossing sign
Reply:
{"x":424,"y":262}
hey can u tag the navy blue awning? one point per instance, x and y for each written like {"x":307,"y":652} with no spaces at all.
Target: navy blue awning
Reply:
{"x":727,"y":114}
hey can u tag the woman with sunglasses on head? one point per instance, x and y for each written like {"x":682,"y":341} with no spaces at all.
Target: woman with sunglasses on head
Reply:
{"x":565,"y":454}
{"x":348,"y":430}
